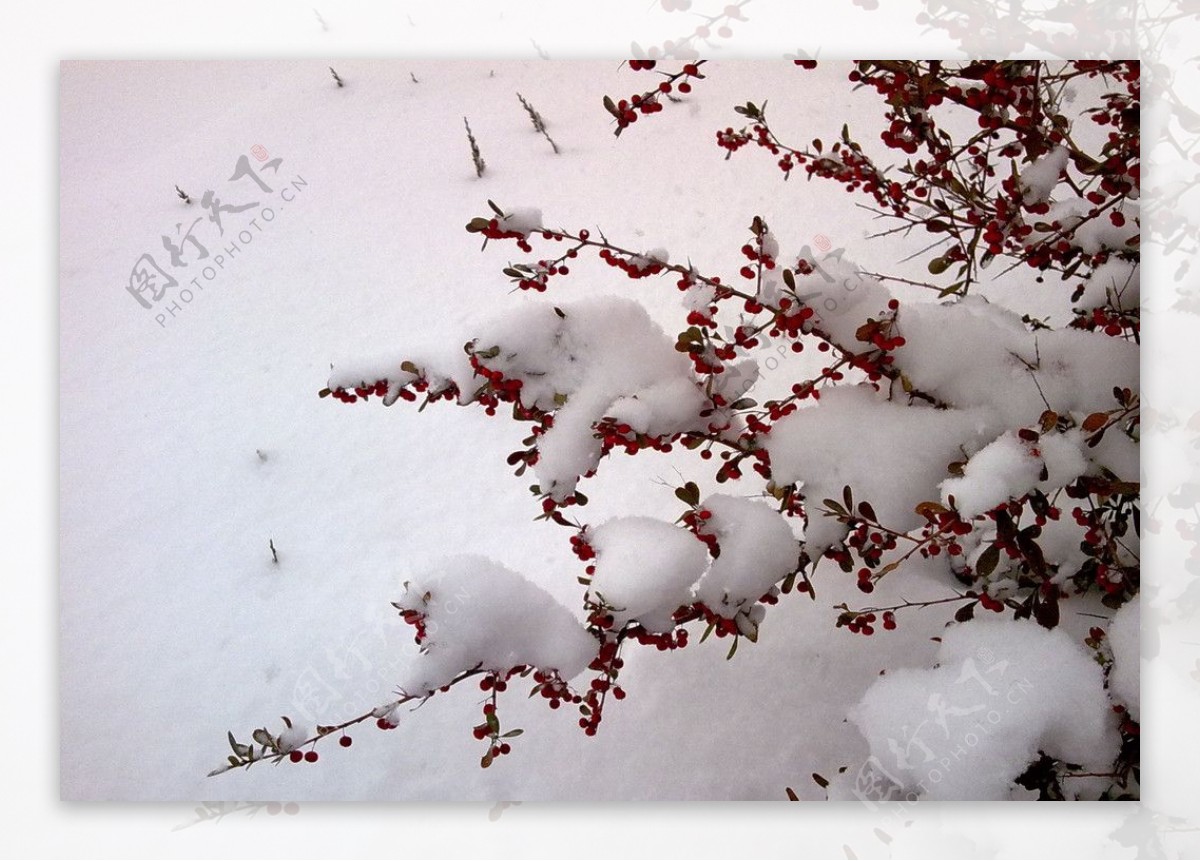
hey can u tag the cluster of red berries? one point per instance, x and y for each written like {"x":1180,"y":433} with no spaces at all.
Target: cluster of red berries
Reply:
{"x":582,"y":549}
{"x":731,"y":140}
{"x":864,"y":623}
{"x":493,"y":230}
{"x":490,"y":729}
{"x":300,"y":756}
{"x":417,"y":619}
{"x":499,"y":389}
{"x":1115,"y":324}
{"x":987,"y":602}
{"x":379,"y":388}
{"x":553,"y":689}
{"x":635,"y":266}
{"x":663,"y":642}
{"x":619,"y":435}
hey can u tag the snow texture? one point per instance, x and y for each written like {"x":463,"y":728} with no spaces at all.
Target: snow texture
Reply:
{"x":1124,"y":637}
{"x":645,"y":569}
{"x":601,"y":358}
{"x":1001,"y":692}
{"x":893,"y":456}
{"x":480,"y":614}
{"x":758,"y":550}
{"x":1008,"y":468}
{"x":1039,"y":179}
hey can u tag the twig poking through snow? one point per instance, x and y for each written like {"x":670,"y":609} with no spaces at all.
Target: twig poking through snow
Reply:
{"x":539,"y":124}
{"x":480,"y":164}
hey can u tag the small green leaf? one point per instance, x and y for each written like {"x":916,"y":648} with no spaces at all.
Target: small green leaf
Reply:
{"x":988,"y":560}
{"x":513,"y":733}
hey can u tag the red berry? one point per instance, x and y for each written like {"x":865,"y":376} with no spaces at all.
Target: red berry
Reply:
{"x":345,"y":741}
{"x":311,"y":756}
{"x":295,"y":756}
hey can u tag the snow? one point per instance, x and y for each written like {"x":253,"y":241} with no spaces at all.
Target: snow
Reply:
{"x":758,"y":550}
{"x":480,"y":614}
{"x":893,"y":456}
{"x":1008,"y":468}
{"x":1115,"y":282}
{"x":976,"y":353}
{"x":1039,"y":179}
{"x":645,"y":569}
{"x":587,"y":360}
{"x":1001,"y":692}
{"x":522,"y":219}
{"x":1124,"y":638}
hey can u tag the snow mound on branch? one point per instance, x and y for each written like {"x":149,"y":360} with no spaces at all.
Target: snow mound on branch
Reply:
{"x":891,"y":455}
{"x":1008,"y":468}
{"x":1124,"y":637}
{"x":758,"y":550}
{"x":842,"y":296}
{"x":1039,"y":179}
{"x":522,"y":219}
{"x":601,"y":358}
{"x":645,"y":569}
{"x":1089,"y":234}
{"x":1116,"y":283}
{"x":973,"y":353}
{"x":480,"y":614}
{"x":1001,"y":692}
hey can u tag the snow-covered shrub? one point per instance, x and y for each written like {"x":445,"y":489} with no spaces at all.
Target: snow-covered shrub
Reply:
{"x":921,"y":425}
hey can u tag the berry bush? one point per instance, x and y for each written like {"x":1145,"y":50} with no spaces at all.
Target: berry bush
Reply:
{"x":912,"y":422}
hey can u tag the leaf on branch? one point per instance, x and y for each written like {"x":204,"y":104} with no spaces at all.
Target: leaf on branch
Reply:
{"x":938,"y":265}
{"x":689,"y":494}
{"x":930,"y":510}
{"x":988,"y":560}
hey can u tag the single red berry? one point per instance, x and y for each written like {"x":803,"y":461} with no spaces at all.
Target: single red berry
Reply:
{"x":295,"y":756}
{"x":345,"y":741}
{"x":311,"y":756}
